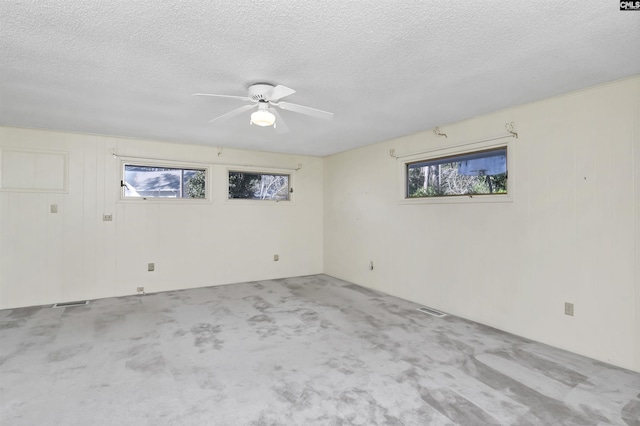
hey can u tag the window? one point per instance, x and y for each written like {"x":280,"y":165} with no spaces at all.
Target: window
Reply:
{"x":157,"y":181}
{"x":259,"y":186}
{"x":472,"y":173}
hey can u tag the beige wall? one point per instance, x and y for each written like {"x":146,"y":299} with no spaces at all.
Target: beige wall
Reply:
{"x":570,"y":234}
{"x":73,"y":255}
{"x":636,"y":213}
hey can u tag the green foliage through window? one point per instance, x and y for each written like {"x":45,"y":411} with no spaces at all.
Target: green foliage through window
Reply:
{"x":163,"y":182}
{"x":258,"y":186}
{"x":196,"y":185}
{"x":475,"y":173}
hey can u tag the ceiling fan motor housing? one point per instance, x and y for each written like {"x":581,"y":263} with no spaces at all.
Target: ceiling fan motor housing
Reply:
{"x":258,"y":92}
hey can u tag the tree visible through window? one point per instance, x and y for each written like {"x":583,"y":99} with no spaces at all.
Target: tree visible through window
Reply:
{"x":258,"y":186}
{"x":148,"y":181}
{"x":480,"y":172}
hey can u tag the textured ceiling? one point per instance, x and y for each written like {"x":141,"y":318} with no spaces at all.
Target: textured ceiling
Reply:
{"x":385,"y":68}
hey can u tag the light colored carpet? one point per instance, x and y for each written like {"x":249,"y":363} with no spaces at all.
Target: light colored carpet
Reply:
{"x":299,"y":351}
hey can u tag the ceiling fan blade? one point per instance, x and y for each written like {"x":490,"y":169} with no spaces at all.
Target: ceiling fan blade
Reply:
{"x":280,"y":92}
{"x":279,"y":124}
{"x":234,"y":112}
{"x":305,"y":110}
{"x":244,"y":98}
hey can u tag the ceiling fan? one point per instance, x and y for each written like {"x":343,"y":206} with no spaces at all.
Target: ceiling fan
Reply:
{"x":265,"y":99}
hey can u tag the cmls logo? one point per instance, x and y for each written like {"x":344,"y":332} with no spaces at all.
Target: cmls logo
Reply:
{"x":629,"y":5}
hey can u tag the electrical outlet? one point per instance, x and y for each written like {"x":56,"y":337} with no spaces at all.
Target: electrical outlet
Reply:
{"x":276,"y":257}
{"x":107,"y":217}
{"x":568,"y":308}
{"x":54,"y":208}
{"x":151,"y":267}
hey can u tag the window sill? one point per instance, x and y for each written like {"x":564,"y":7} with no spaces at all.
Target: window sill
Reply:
{"x":245,"y":201}
{"x":459,"y":199}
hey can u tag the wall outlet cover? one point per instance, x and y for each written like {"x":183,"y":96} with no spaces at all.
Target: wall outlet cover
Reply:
{"x":568,"y":308}
{"x":151,"y":267}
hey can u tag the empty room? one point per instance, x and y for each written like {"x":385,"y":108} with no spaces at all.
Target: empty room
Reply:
{"x":274,"y":212}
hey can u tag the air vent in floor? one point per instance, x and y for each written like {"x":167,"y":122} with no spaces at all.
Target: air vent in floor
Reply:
{"x":433,"y":312}
{"x":70,"y":304}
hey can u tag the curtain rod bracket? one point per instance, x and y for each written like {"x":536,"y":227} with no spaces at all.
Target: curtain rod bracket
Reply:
{"x":510,"y":129}
{"x":437,"y":132}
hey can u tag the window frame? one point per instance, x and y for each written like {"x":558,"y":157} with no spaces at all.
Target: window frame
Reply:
{"x":170,"y":164}
{"x":458,"y":150}
{"x":259,"y":170}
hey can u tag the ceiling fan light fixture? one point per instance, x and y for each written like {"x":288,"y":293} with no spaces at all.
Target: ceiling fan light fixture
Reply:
{"x":262,"y":117}
{"x":265,"y":102}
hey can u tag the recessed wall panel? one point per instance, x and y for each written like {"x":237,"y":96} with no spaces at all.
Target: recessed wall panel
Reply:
{"x":33,"y":171}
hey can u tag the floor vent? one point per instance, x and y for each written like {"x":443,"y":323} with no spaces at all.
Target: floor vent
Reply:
{"x":433,"y":312}
{"x":70,"y":304}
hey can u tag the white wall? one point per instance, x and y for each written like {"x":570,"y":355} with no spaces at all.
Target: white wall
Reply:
{"x":73,"y":255}
{"x":570,"y":234}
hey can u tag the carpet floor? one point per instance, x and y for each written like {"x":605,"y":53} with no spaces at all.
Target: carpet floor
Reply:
{"x":300,"y":351}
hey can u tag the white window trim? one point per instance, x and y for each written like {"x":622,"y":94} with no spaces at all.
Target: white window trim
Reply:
{"x":140,"y":161}
{"x":452,"y":151}
{"x":259,"y":170}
